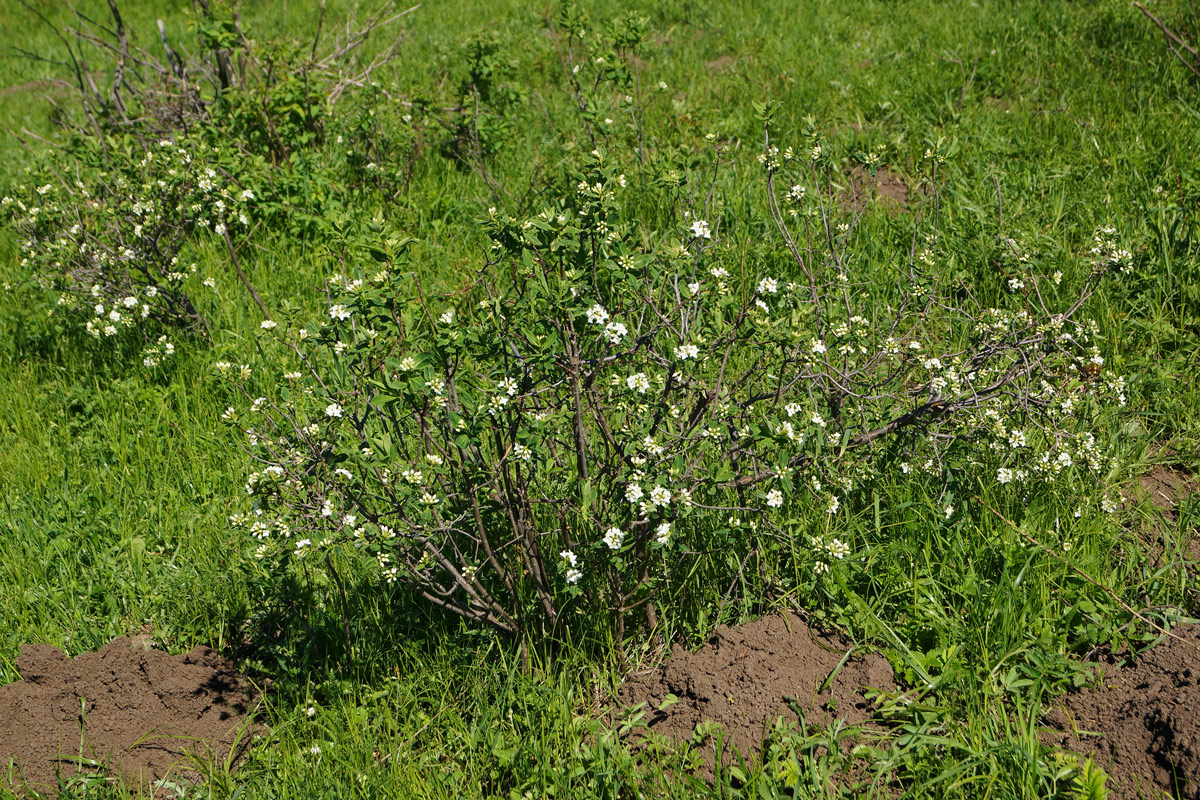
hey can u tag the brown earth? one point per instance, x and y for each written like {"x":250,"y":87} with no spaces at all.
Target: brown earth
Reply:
{"x":740,"y":677}
{"x":138,"y":714}
{"x":1142,"y":724}
{"x":1167,"y":488}
{"x":888,"y":188}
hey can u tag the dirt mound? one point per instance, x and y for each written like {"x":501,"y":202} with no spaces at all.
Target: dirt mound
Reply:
{"x":1167,"y":488}
{"x":136,"y":710}
{"x":888,"y":188}
{"x":1141,"y":724}
{"x":739,"y":679}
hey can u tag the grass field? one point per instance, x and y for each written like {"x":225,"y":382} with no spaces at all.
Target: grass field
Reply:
{"x":117,"y":483}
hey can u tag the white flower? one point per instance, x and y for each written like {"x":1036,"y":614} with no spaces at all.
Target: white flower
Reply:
{"x":508,"y":386}
{"x":719,"y":272}
{"x":1004,"y":475}
{"x":948,"y":510}
{"x":573,"y":575}
{"x":660,"y":496}
{"x":522,"y":453}
{"x":447,"y":317}
{"x":834,"y":505}
{"x":701,"y":230}
{"x":339,"y":312}
{"x":817,"y":420}
{"x":311,"y":711}
{"x":613,"y":537}
{"x":792,"y":409}
{"x":614,"y":332}
{"x":569,"y":557}
{"x":429,"y":499}
{"x":638,"y":382}
{"x":768,"y":286}
{"x":838,"y":549}
{"x":686,"y":351}
{"x":597,"y":315}
{"x":694,"y":288}
{"x":663,"y":533}
{"x":333,"y":410}
{"x":267,"y":324}
{"x":633,"y":493}
{"x":774,"y":498}
{"x":818,"y":347}
{"x":820,"y":567}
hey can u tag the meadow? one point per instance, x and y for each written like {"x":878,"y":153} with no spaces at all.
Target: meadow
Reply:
{"x":1029,"y":146}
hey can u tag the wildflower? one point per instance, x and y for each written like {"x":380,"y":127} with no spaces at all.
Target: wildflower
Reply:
{"x":310,"y":712}
{"x":838,"y":549}
{"x":573,"y":576}
{"x":633,"y":493}
{"x":774,"y":498}
{"x":638,"y":382}
{"x":569,"y":557}
{"x":701,"y":230}
{"x":768,"y":286}
{"x":662,"y":534}
{"x":613,"y":537}
{"x":792,"y":409}
{"x":1004,"y":475}
{"x":817,"y":420}
{"x":268,"y":324}
{"x":339,"y":312}
{"x":447,"y":317}
{"x":614,"y":332}
{"x":597,"y":315}
{"x":429,"y":499}
{"x":686,"y":351}
{"x":820,"y":567}
{"x":818,"y":347}
{"x":660,"y":496}
{"x":522,"y":453}
{"x":833,"y":506}
{"x":948,"y":510}
{"x":333,"y":410}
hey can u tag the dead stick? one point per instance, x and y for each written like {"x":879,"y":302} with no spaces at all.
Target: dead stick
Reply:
{"x":242,"y":276}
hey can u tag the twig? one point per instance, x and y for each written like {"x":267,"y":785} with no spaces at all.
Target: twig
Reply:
{"x":242,"y":276}
{"x":1173,"y":39}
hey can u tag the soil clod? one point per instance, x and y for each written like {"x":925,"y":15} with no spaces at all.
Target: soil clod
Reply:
{"x":741,"y":677}
{"x":1140,"y":725}
{"x":134,"y":713}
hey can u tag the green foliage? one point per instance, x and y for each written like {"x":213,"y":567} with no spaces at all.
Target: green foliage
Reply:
{"x":1042,"y":121}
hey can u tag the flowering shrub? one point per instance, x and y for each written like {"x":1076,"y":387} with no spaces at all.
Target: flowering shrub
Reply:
{"x":111,"y":249}
{"x":146,"y":174}
{"x":564,"y":434}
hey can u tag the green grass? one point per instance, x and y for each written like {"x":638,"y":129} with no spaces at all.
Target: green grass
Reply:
{"x":116,"y":486}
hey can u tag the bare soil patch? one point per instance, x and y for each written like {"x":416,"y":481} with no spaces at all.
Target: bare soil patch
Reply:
{"x":721,"y":64}
{"x":139,"y":712}
{"x":888,"y":188}
{"x":740,"y":678}
{"x":1141,"y":725}
{"x":1167,"y":487}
